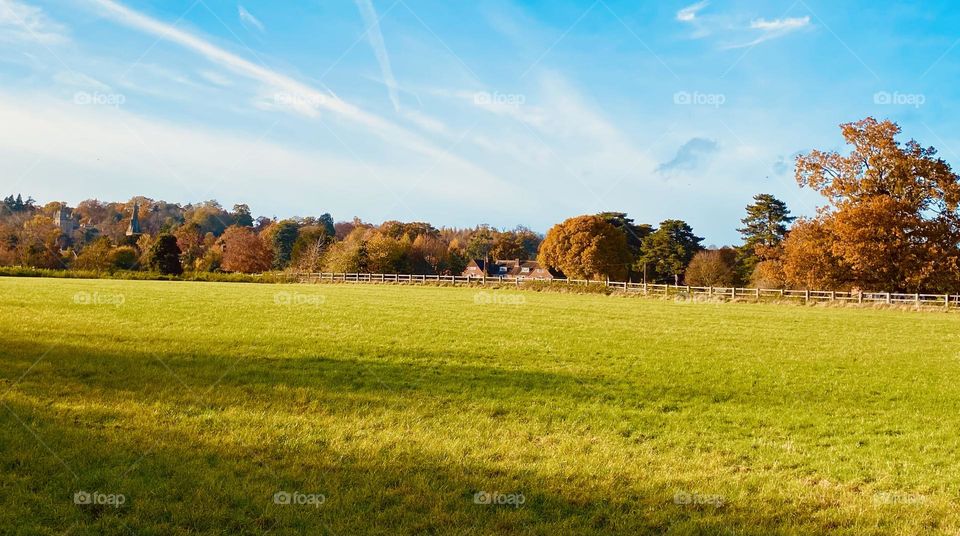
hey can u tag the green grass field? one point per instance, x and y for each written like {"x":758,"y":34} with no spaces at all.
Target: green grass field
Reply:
{"x":386,"y":410}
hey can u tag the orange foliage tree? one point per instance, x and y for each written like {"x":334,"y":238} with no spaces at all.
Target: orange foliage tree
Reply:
{"x":586,"y":247}
{"x":245,"y":251}
{"x":890,"y":222}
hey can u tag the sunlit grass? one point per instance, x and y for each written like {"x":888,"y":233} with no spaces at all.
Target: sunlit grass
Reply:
{"x":198,"y":402}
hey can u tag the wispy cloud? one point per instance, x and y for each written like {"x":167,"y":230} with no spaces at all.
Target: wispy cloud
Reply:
{"x":298,"y":96}
{"x":76,"y":79}
{"x":167,"y":158}
{"x":772,"y":29}
{"x":375,"y":36}
{"x":248,"y":20}
{"x":689,"y":156}
{"x":21,"y":22}
{"x":689,"y":13}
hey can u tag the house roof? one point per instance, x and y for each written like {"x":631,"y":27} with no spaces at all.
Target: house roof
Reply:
{"x":509,"y":267}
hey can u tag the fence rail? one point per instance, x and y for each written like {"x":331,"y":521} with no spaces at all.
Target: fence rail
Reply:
{"x":758,"y":294}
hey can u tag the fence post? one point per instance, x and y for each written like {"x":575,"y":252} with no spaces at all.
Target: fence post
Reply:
{"x":833,"y":296}
{"x":888,"y":298}
{"x":733,"y":294}
{"x":806,"y":296}
{"x":946,"y":302}
{"x":758,"y":293}
{"x":860,"y":297}
{"x":916,"y":299}
{"x":644,"y":288}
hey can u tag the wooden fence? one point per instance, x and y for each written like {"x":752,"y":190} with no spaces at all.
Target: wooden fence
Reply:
{"x":648,"y":289}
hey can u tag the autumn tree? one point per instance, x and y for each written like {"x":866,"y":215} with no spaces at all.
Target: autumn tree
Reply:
{"x":244,"y":251}
{"x":586,"y":247}
{"x":190,"y":240}
{"x":37,"y":244}
{"x":891,"y":218}
{"x":308,"y":250}
{"x":713,"y":268}
{"x":95,"y":256}
{"x":808,"y":258}
{"x":668,"y":250}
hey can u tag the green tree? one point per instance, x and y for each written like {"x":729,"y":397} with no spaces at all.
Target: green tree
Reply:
{"x":124,"y":258}
{"x":635,"y":233}
{"x":241,"y":216}
{"x":326,"y":220}
{"x":480,"y":243}
{"x":284,"y":238}
{"x":764,"y":229}
{"x":95,"y":256}
{"x":668,"y":250}
{"x":165,"y":255}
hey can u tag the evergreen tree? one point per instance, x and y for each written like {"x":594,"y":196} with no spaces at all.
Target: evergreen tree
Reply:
{"x":764,"y":229}
{"x":668,"y":250}
{"x":165,"y":255}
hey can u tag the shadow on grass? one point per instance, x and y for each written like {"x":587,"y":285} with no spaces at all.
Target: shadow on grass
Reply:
{"x":175,"y":482}
{"x":183,"y":488}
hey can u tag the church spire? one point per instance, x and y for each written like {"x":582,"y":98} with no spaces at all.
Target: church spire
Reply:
{"x":134,"y":228}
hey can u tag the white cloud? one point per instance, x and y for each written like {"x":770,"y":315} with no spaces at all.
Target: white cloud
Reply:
{"x":21,"y":22}
{"x":248,"y":20}
{"x":779,"y":25}
{"x":689,"y":13}
{"x":375,"y":36}
{"x":689,"y":156}
{"x":772,"y":29}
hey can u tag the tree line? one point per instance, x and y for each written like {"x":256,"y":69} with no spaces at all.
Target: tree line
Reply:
{"x":889,"y":223}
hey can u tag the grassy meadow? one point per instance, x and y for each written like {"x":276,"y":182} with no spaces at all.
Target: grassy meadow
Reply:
{"x":221,"y":408}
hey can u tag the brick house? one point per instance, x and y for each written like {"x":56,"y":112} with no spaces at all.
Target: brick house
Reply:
{"x":509,"y":268}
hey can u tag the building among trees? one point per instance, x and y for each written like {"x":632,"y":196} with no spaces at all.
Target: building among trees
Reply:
{"x":510,"y":268}
{"x":134,"y":229}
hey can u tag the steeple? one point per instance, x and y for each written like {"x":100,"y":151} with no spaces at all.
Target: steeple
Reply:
{"x":134,"y":228}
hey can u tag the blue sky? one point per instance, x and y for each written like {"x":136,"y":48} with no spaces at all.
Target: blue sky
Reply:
{"x":460,"y":113}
